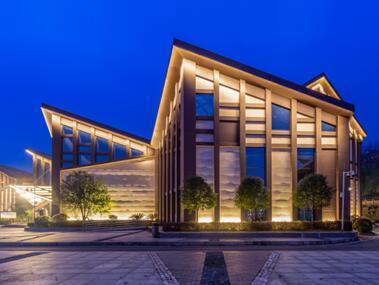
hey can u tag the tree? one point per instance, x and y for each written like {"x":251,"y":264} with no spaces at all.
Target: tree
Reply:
{"x":312,"y":193}
{"x":252,"y":196}
{"x":198,"y":195}
{"x":82,"y":192}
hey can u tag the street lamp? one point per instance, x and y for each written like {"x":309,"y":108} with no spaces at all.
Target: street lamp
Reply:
{"x":349,"y":174}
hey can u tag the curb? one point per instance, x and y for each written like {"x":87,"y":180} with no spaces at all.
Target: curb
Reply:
{"x":180,"y":243}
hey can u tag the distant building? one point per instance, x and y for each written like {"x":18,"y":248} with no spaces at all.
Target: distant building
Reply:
{"x":222,"y":120}
{"x":11,"y":176}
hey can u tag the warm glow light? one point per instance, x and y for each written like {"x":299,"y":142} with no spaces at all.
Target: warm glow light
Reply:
{"x":230,"y":219}
{"x":205,"y":219}
{"x":282,"y":219}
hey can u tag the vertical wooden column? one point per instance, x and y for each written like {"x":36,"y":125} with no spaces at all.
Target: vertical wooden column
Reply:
{"x":171,"y":168}
{"x":294,"y":153}
{"x":242,"y":138}
{"x":167,"y":169}
{"x":158,"y":205}
{"x":216,"y":134}
{"x":343,"y":163}
{"x":188,"y":123}
{"x":359,"y":173}
{"x":318,"y":136}
{"x":56,"y":165}
{"x":268,"y":150}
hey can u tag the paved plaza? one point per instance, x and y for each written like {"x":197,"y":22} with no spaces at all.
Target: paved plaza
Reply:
{"x":189,"y":267}
{"x":354,"y":263}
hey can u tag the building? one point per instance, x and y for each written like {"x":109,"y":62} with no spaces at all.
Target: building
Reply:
{"x":222,"y":120}
{"x":9,"y":177}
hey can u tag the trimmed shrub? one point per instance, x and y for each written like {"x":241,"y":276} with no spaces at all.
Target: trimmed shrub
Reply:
{"x":42,"y":221}
{"x":112,"y":217}
{"x":362,"y":224}
{"x":137,"y":217}
{"x":60,"y":218}
{"x":259,"y":226}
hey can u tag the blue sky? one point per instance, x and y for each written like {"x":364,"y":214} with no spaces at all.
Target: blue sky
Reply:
{"x":107,"y":59}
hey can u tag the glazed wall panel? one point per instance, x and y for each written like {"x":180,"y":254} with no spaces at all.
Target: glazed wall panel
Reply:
{"x":229,"y":181}
{"x":281,"y":185}
{"x":131,"y":185}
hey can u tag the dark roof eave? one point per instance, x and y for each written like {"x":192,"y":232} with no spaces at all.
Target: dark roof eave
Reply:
{"x":91,"y":122}
{"x":262,"y":74}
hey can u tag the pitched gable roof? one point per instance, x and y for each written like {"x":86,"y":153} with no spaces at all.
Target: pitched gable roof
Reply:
{"x":182,"y":50}
{"x":47,"y":109}
{"x":323,"y":81}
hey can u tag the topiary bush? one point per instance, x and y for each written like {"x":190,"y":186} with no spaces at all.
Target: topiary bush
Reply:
{"x":113,"y":217}
{"x":362,"y":224}
{"x":42,"y":221}
{"x":60,"y":218}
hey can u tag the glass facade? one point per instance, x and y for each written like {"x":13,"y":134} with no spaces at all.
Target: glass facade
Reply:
{"x":305,"y":166}
{"x":84,"y":148}
{"x":256,"y":163}
{"x":119,"y":151}
{"x":102,"y":150}
{"x":328,"y":127}
{"x":67,"y":147}
{"x":204,"y":104}
{"x":135,"y":152}
{"x":280,"y":118}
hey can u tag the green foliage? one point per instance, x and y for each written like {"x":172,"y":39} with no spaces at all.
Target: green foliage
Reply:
{"x":82,"y":192}
{"x":362,"y":224}
{"x":112,"y":217}
{"x":198,"y":195}
{"x":42,"y":221}
{"x":251,"y":195}
{"x":312,"y":193}
{"x":24,"y":210}
{"x":259,"y":226}
{"x":372,"y":211}
{"x":137,"y":217}
{"x":152,"y":217}
{"x":60,"y":218}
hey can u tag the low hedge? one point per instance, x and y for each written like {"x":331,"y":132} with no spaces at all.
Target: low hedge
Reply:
{"x":47,"y":222}
{"x":258,"y":226}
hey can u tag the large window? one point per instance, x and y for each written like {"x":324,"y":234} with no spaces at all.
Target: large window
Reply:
{"x":135,"y":152}
{"x":256,"y":162}
{"x":119,"y":151}
{"x":305,"y":162}
{"x":84,"y":148}
{"x":328,"y":127}
{"x":280,"y":118}
{"x":204,"y":104}
{"x":305,"y":166}
{"x":102,"y":150}
{"x":67,"y":147}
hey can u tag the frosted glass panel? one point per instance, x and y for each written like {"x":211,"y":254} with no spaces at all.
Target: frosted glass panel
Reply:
{"x":203,"y":84}
{"x":205,"y":169}
{"x":131,"y":185}
{"x":228,"y":95}
{"x":281,"y":186}
{"x":229,"y":181}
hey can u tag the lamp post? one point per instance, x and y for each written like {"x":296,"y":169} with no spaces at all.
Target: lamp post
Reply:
{"x":350,"y":174}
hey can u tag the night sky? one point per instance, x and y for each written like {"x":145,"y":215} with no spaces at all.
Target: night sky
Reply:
{"x":106,"y":60}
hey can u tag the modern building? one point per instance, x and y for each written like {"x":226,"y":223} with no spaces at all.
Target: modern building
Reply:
{"x":10,"y":176}
{"x":221,"y":120}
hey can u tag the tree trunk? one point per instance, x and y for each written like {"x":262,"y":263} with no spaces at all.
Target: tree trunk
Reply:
{"x":312,"y":214}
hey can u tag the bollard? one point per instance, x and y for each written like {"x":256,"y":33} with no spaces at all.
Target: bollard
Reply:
{"x":155,"y":230}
